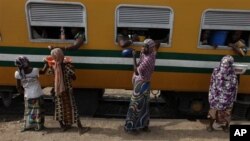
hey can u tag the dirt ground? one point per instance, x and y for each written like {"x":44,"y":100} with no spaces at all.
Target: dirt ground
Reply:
{"x":110,"y":129}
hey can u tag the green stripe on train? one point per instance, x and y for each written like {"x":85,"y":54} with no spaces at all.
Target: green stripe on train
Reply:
{"x":124,"y":67}
{"x":112,"y":53}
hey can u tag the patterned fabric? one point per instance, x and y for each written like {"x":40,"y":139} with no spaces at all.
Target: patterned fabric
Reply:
{"x":138,"y":112}
{"x":223,"y":90}
{"x":146,"y":63}
{"x":223,"y":85}
{"x":65,"y":105}
{"x":58,"y":56}
{"x":34,"y":113}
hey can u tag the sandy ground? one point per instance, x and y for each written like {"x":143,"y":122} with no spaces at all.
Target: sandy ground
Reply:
{"x":110,"y":129}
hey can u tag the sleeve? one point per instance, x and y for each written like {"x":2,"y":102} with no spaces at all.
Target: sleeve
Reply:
{"x":36,"y":71}
{"x":17,"y":75}
{"x":80,"y":36}
{"x":70,"y":69}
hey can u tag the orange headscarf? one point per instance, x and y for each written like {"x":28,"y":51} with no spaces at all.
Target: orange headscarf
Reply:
{"x":58,"y":56}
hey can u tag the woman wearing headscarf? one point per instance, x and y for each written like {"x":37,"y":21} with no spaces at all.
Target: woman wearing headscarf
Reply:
{"x":138,"y":112}
{"x":28,"y":83}
{"x":222,"y":93}
{"x":65,"y":107}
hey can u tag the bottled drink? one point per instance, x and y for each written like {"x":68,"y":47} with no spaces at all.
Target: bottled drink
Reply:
{"x":62,"y":36}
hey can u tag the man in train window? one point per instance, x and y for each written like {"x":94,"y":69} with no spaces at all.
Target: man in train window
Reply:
{"x":237,"y":43}
{"x":125,"y":39}
{"x":78,"y":37}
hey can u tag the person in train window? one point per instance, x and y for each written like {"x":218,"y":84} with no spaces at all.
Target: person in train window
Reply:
{"x":28,"y":84}
{"x":237,"y":43}
{"x":205,"y":34}
{"x":65,"y":107}
{"x":125,"y":39}
{"x":39,"y":33}
{"x":222,"y":93}
{"x":138,"y":113}
{"x":78,"y":37}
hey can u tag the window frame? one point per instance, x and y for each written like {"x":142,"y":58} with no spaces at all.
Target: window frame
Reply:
{"x":29,"y":26}
{"x":222,"y":27}
{"x":171,"y":21}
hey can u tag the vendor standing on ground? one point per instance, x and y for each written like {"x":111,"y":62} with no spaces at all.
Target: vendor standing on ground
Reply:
{"x":222,"y":93}
{"x":29,"y":85}
{"x":65,"y":107}
{"x":138,"y":112}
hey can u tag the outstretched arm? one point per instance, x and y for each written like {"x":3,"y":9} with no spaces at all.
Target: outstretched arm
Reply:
{"x":76,"y":45}
{"x":237,"y":50}
{"x":44,"y":69}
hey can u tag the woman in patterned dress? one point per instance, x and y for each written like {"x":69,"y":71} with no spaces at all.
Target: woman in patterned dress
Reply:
{"x":222,"y":93}
{"x":28,"y":83}
{"x":65,"y":107}
{"x":138,"y":112}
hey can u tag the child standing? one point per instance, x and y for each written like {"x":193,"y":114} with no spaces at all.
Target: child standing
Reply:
{"x":28,"y":84}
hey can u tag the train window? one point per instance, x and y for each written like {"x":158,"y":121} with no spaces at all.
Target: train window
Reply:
{"x":222,"y":28}
{"x":53,"y":21}
{"x":140,"y":22}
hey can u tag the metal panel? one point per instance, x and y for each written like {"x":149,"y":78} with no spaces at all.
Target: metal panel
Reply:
{"x":147,"y":17}
{"x":239,"y":20}
{"x":50,"y":14}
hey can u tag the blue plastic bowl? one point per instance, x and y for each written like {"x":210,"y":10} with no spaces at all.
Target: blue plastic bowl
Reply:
{"x":127,"y":52}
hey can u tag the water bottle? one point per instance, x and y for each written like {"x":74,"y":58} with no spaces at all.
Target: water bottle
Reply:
{"x":62,"y":36}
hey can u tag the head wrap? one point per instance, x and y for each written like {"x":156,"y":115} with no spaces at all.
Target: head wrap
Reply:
{"x":223,"y":85}
{"x":22,"y":62}
{"x":58,"y":56}
{"x":150,"y":44}
{"x":146,"y":62}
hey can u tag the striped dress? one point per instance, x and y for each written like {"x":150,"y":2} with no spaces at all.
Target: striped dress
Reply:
{"x":138,"y":112}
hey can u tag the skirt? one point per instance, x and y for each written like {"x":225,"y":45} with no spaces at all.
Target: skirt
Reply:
{"x":138,"y":112}
{"x":65,"y":108}
{"x":34,"y":113}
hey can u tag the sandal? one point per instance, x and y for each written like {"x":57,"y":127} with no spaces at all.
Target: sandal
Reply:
{"x":83,"y":130}
{"x":210,"y":129}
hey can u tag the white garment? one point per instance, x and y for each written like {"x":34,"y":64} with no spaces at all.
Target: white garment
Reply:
{"x":31,"y":85}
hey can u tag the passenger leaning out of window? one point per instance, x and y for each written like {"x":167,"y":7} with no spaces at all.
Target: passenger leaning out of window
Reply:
{"x":205,"y":37}
{"x":79,"y":40}
{"x":237,"y":43}
{"x":125,"y":39}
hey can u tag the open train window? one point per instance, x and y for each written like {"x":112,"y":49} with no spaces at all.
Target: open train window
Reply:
{"x":53,"y":21}
{"x":220,"y":28}
{"x":144,"y":22}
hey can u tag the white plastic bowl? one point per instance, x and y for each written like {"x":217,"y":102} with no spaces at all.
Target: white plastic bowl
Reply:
{"x":240,"y":68}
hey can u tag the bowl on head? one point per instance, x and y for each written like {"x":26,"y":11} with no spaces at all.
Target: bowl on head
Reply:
{"x":51,"y":61}
{"x":240,"y":68}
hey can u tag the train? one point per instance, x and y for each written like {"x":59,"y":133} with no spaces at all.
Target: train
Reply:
{"x":183,"y":64}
